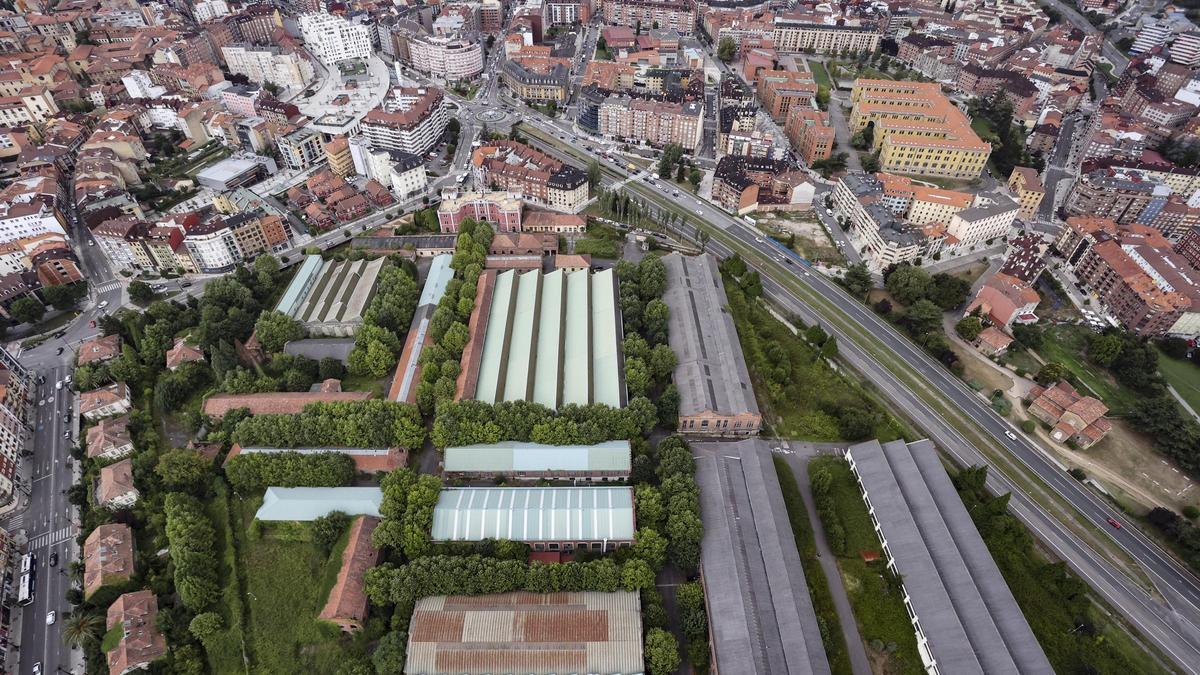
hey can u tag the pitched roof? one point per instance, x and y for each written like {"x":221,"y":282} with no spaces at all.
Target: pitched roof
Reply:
{"x":99,"y":349}
{"x":141,"y":643}
{"x":304,"y":504}
{"x":534,"y":514}
{"x":108,"y":434}
{"x":347,"y":599}
{"x":277,"y":403}
{"x":116,"y":480}
{"x":182,"y":353}
{"x":107,"y":556}
{"x":98,"y":398}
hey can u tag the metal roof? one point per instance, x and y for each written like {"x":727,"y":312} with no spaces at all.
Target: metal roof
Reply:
{"x":762,"y":616}
{"x":534,"y":514}
{"x":515,"y":456}
{"x":960,"y":601}
{"x":711,"y":374}
{"x":553,"y":339}
{"x":301,"y":283}
{"x":305,"y":504}
{"x":439,"y":276}
{"x":526,"y":633}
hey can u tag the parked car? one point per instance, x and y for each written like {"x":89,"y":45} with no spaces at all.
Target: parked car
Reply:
{"x":103,"y":304}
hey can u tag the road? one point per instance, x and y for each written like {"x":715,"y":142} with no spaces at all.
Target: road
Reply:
{"x":1172,"y":626}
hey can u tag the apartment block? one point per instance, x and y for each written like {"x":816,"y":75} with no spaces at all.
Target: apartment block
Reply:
{"x":448,"y":58}
{"x":811,"y":133}
{"x":676,"y":15}
{"x":1027,"y":187}
{"x":801,"y":35}
{"x":917,"y":130}
{"x":502,"y":209}
{"x":412,"y":120}
{"x":333,"y":39}
{"x":535,"y":176}
{"x":658,"y":123}
{"x":781,"y":90}
{"x":264,"y":64}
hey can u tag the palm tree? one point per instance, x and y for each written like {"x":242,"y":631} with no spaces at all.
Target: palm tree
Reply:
{"x":83,"y":627}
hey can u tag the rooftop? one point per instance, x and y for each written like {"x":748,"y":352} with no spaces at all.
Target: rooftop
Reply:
{"x":532,"y":514}
{"x":305,"y":504}
{"x":515,"y":456}
{"x":331,"y":292}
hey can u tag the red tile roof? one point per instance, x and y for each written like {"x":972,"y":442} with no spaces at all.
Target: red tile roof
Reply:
{"x":347,"y":604}
{"x":142,"y":643}
{"x":278,"y":403}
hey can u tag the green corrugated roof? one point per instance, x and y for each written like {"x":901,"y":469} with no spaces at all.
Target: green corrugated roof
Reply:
{"x":496,"y":338}
{"x":606,"y":370}
{"x":577,"y":366}
{"x":550,"y":328}
{"x":514,"y":456}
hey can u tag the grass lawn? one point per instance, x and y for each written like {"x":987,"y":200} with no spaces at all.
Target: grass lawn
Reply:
{"x":363,"y":383}
{"x":818,"y":586}
{"x":1067,"y":344}
{"x":820,"y":74}
{"x":983,"y":128}
{"x":602,"y":241}
{"x":800,"y":395}
{"x":874,"y":593}
{"x":1184,"y":376}
{"x":873,"y":74}
{"x":287,"y":581}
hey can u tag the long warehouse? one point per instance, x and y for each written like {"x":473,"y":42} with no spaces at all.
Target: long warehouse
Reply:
{"x":553,"y":339}
{"x":965,"y":618}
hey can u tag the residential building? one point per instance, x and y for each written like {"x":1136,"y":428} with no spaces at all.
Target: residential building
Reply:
{"x":883,"y":236}
{"x":110,"y":439}
{"x":347,"y":603}
{"x":962,"y":611}
{"x":547,"y":518}
{"x":263,"y":64}
{"x":182,"y":353}
{"x":658,"y":123}
{"x":16,"y":394}
{"x":919,"y":203}
{"x":107,"y":557}
{"x":535,"y":176}
{"x":591,"y":633}
{"x":553,"y":339}
{"x":989,"y":219}
{"x":531,"y":83}
{"x":140,"y":643}
{"x":1026,"y":257}
{"x":782,"y":90}
{"x":1004,"y":300}
{"x":302,"y":149}
{"x":811,"y":134}
{"x":1027,"y":187}
{"x":332,"y":38}
{"x":801,"y":35}
{"x":917,"y":130}
{"x":98,"y":350}
{"x":1116,"y":192}
{"x":676,"y":15}
{"x":514,"y":460}
{"x":1072,"y":417}
{"x":448,"y":58}
{"x":412,"y":120}
{"x":745,"y":184}
{"x":115,"y":489}
{"x":339,"y":156}
{"x":991,"y":341}
{"x":329,"y":297}
{"x":711,"y":370}
{"x":502,"y":209}
{"x":281,"y":403}
{"x":104,"y":402}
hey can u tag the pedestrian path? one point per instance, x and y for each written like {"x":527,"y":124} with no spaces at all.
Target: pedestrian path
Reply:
{"x":108,"y":286}
{"x":51,"y":538}
{"x":13,"y":523}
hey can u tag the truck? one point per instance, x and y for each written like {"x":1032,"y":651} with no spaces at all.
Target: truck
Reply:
{"x":750,"y":220}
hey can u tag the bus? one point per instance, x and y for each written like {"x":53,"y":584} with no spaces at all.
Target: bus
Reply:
{"x":26,"y":589}
{"x":27,"y":562}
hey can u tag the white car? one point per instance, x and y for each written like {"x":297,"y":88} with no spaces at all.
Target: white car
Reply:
{"x":58,"y":385}
{"x":103,"y":304}
{"x":699,"y":212}
{"x":1010,"y":434}
{"x":51,"y":617}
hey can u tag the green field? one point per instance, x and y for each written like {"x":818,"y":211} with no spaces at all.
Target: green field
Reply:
{"x":818,"y":586}
{"x":1067,"y":344}
{"x":875,"y":594}
{"x":1184,"y":376}
{"x":820,"y":74}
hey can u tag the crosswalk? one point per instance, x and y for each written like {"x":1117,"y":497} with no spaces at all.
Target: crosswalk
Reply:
{"x":51,"y":538}
{"x":107,"y":286}
{"x":14,"y":522}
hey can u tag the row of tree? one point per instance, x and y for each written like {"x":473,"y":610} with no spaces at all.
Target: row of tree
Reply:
{"x":191,"y":536}
{"x":407,"y":508}
{"x":470,"y":422}
{"x":379,"y":340}
{"x":252,"y":473}
{"x":284,"y":372}
{"x":374,"y":423}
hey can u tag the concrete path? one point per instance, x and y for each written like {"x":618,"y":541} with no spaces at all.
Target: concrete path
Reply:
{"x":801,"y":453}
{"x":1182,"y":402}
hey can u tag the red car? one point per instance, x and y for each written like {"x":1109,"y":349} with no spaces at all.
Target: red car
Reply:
{"x":92,"y":323}
{"x":1114,"y":523}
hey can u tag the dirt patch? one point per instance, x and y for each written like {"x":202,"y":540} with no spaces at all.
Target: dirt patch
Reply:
{"x":970,"y":273}
{"x":807,"y":236}
{"x":981,"y":376}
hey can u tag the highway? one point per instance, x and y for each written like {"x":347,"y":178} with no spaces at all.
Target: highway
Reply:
{"x":910,"y":379}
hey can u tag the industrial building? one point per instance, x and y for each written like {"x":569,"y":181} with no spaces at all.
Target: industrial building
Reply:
{"x":528,"y":633}
{"x":608,"y":461}
{"x":553,"y":339}
{"x":307,"y":503}
{"x":965,"y":618}
{"x":760,"y":613}
{"x":408,"y":370}
{"x":546,"y":518}
{"x":715,"y":397}
{"x":329,"y":297}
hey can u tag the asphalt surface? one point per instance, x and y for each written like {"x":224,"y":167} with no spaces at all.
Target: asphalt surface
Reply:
{"x":1173,"y":626}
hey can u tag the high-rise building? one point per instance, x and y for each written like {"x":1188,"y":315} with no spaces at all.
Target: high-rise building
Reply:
{"x":268,"y":64}
{"x":332,"y":39}
{"x":16,"y":387}
{"x":411,"y":119}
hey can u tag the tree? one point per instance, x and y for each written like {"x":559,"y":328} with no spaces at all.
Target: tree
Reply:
{"x":275,"y":329}
{"x":650,"y":546}
{"x":1051,"y":373}
{"x":183,"y":469}
{"x":1104,"y":349}
{"x":331,"y":368}
{"x":694,"y":177}
{"x":140,"y":292}
{"x":969,"y":328}
{"x":1028,"y":335}
{"x":389,"y":655}
{"x":373,"y":360}
{"x":637,"y":377}
{"x":923,"y":317}
{"x":594,"y":174}
{"x":947,"y":291}
{"x":830,"y":349}
{"x":662,"y":652}
{"x":328,"y":529}
{"x":27,"y":310}
{"x":857,"y":280}
{"x":636,"y":575}
{"x":815,"y":335}
{"x":726,"y":49}
{"x":83,"y":627}
{"x":64,"y":296}
{"x":205,"y":626}
{"x":908,"y":283}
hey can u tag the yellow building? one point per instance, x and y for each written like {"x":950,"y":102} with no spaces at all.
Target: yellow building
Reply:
{"x":1027,"y":188}
{"x":922,"y":204}
{"x":917,"y":130}
{"x":337,"y":152}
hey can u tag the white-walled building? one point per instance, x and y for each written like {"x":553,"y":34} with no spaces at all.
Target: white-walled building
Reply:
{"x":209,"y":9}
{"x":269,"y":64}
{"x":411,"y":119}
{"x":449,"y":58}
{"x":983,"y":222}
{"x":402,"y":172}
{"x":332,"y":39}
{"x":138,"y":85}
